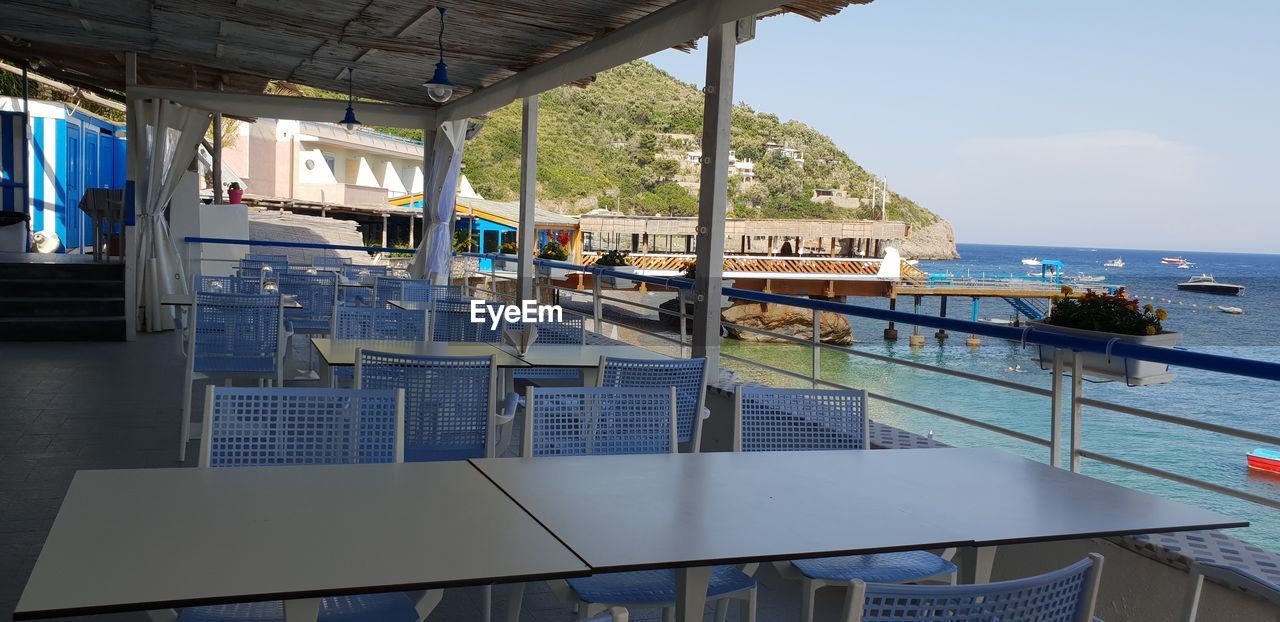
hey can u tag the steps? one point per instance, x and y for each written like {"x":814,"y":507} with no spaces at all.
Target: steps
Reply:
{"x":1025,"y":307}
{"x":61,"y":298}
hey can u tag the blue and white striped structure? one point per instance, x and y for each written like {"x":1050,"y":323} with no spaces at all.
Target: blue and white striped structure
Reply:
{"x":69,"y":151}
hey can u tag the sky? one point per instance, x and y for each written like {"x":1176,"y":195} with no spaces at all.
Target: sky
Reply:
{"x":1110,"y":123}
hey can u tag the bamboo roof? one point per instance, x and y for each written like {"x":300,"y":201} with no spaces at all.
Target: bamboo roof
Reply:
{"x":244,"y":43}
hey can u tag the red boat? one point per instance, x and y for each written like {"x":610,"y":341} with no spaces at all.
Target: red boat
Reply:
{"x":1265,"y":460}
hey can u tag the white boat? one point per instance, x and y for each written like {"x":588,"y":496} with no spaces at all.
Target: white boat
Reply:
{"x":1208,"y":285}
{"x":1184,"y":266}
{"x":996,"y":320}
{"x":1118,"y":262}
{"x":1231,"y":310}
{"x":1172,"y":260}
{"x":1031,"y":261}
{"x":1088,"y":279}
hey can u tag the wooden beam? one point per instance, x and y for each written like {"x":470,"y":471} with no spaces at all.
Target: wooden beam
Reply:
{"x":285,"y":107}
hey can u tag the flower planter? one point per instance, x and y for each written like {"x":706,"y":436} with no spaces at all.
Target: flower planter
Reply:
{"x":618,"y":282}
{"x":1131,"y":371}
{"x":554,"y":274}
{"x":235,"y":196}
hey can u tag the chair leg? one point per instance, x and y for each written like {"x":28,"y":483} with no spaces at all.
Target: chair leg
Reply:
{"x":186,"y":419}
{"x":808,"y":589}
{"x":749,"y":605}
{"x":487,"y":606}
{"x":850,"y":596}
{"x":669,"y":614}
{"x":722,"y":610}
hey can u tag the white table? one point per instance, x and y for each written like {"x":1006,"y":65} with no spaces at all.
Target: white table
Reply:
{"x":141,"y":539}
{"x":180,"y":300}
{"x":691,"y":511}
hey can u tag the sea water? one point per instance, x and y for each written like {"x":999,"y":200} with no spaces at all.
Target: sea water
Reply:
{"x":1203,"y":396}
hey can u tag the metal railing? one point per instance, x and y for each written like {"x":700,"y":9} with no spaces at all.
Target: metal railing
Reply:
{"x":1066,"y":408}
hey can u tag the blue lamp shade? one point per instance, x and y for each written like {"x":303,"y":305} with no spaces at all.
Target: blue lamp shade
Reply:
{"x":439,"y":88}
{"x":349,"y":121}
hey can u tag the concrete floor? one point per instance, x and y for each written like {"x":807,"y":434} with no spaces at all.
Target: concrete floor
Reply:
{"x":70,"y":406}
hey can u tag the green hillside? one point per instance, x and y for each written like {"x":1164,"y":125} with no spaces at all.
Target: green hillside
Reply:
{"x":603,"y":145}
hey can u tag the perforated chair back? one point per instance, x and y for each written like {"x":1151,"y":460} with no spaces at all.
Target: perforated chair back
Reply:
{"x":374,"y":323}
{"x":227,"y":285}
{"x":236,"y":333}
{"x":579,"y":421}
{"x":277,"y":427}
{"x":257,"y":270}
{"x":362,"y":272}
{"x":387,"y":288}
{"x":420,"y":290}
{"x":1066,"y":595}
{"x":451,"y":321}
{"x":688,"y":376}
{"x":449,"y":401}
{"x":568,"y":331}
{"x":769,"y":419}
{"x":331,"y":261}
{"x":318,"y":295}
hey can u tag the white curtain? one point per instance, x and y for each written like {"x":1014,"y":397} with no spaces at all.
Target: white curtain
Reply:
{"x":431,"y":260}
{"x":171,"y":135}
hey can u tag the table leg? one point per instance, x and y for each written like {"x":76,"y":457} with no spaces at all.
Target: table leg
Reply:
{"x":691,"y":593}
{"x":976,"y":564}
{"x":514,"y":602}
{"x":302,"y":610}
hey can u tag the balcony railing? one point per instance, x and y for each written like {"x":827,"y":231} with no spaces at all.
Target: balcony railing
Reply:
{"x":1066,"y":407}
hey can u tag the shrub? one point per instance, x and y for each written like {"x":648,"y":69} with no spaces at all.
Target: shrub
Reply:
{"x":1108,"y":313}
{"x":613,"y":259}
{"x":553,"y":251}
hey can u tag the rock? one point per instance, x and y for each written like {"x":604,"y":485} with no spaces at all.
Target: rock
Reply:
{"x":789,"y":321}
{"x":936,"y":241}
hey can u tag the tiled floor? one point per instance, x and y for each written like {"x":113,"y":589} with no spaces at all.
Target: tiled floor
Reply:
{"x":69,"y":406}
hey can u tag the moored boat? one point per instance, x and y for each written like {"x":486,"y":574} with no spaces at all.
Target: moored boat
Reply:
{"x":1118,"y":262}
{"x":1231,"y":310}
{"x":1172,"y":260}
{"x":1031,"y":261}
{"x":1264,"y":460}
{"x":1208,"y":285}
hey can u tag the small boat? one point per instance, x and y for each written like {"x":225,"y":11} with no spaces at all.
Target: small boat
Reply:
{"x":1172,"y":260}
{"x":1184,"y":266}
{"x":1087,"y":279}
{"x":1118,"y":262}
{"x":1264,"y":460}
{"x":1231,"y":310}
{"x":1031,"y":261}
{"x":1208,"y":285}
{"x":996,"y":320}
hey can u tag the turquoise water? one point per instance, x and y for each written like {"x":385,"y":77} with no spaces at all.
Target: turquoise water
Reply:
{"x":1239,"y":402}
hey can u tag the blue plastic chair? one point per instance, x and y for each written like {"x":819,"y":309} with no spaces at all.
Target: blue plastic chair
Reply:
{"x":231,"y":335}
{"x":451,"y":321}
{"x":387,"y":288}
{"x":420,"y":290}
{"x":227,"y":285}
{"x":387,"y":324}
{"x":688,"y":376}
{"x":769,"y":419}
{"x":330,"y":261}
{"x":614,"y":421}
{"x":569,"y":331}
{"x":318,"y":295}
{"x":364,"y":272}
{"x":277,"y":427}
{"x":450,"y":409}
{"x":1065,"y":595}
{"x":258,"y":270}
{"x":268,"y":258}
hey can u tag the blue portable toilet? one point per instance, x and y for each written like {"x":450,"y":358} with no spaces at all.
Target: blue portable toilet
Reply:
{"x":69,"y":151}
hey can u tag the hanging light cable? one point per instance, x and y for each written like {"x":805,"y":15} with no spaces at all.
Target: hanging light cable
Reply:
{"x":349,"y":121}
{"x":439,"y":88}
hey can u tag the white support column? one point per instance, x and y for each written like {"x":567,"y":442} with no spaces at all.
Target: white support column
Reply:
{"x":527,"y":235}
{"x":133,"y":162}
{"x":216,"y":156}
{"x":713,"y":195}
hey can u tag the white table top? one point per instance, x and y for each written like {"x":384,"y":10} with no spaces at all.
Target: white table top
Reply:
{"x":585,"y":355}
{"x":180,"y":300}
{"x":711,"y":508}
{"x":138,"y":539}
{"x":342,"y":352}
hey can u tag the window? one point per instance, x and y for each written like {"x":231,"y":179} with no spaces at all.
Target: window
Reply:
{"x":588,"y":241}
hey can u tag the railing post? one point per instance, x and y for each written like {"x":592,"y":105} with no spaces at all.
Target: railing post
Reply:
{"x":680,"y":315}
{"x":817,"y":350}
{"x":1055,"y":435}
{"x":1077,"y":419}
{"x":597,"y":305}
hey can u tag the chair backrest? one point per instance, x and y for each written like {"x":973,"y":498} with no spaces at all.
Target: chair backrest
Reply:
{"x":227,"y":285}
{"x":236,"y":333}
{"x":354,"y":271}
{"x":688,"y":376}
{"x":257,"y":270}
{"x":331,"y":261}
{"x":451,"y":321}
{"x":422,"y":290}
{"x":449,"y":401}
{"x":1065,"y":595}
{"x":262,"y":427}
{"x":386,"y":288}
{"x":374,"y":323}
{"x":317,"y":293}
{"x":577,"y":421}
{"x":268,"y":258}
{"x":769,"y":419}
{"x":568,"y":331}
